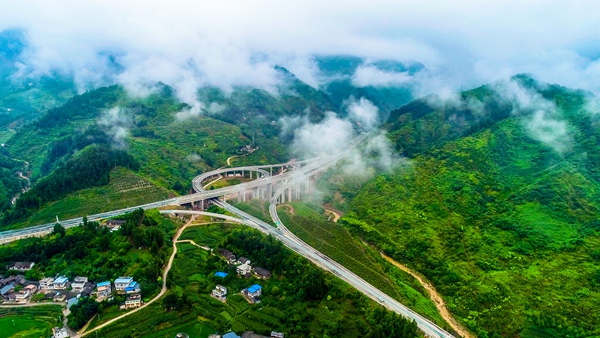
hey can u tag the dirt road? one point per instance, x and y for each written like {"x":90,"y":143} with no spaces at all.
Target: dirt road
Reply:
{"x":435,"y":297}
{"x":163,"y":290}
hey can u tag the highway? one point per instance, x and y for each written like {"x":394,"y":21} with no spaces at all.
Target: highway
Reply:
{"x":292,"y":173}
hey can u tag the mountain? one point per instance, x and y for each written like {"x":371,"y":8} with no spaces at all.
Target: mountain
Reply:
{"x":346,"y":76}
{"x":498,"y":206}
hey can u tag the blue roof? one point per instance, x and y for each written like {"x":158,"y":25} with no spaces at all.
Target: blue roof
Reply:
{"x":61,"y":280}
{"x":7,"y":288}
{"x":133,"y":285}
{"x":230,"y":335}
{"x":124,"y":280}
{"x":103,"y":284}
{"x":221,"y":274}
{"x":72,"y":301}
{"x":254,"y":288}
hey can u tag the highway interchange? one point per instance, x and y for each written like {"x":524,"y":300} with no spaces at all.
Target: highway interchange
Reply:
{"x":298,"y":172}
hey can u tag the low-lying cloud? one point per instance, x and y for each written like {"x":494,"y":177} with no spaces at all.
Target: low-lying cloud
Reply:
{"x":117,"y":125}
{"x":188,"y":44}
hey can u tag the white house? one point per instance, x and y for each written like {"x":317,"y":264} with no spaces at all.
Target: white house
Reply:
{"x":60,"y":283}
{"x":122,"y":282}
{"x":219,"y":292}
{"x":244,"y":269}
{"x":47,"y":283}
{"x":79,"y":283}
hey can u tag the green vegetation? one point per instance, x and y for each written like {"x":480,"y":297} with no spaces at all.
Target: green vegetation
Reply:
{"x":124,"y":190}
{"x":505,"y":226}
{"x":137,"y":250}
{"x":299,"y":299}
{"x":29,"y":322}
{"x":339,"y":244}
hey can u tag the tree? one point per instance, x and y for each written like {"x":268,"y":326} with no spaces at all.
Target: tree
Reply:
{"x":59,"y":229}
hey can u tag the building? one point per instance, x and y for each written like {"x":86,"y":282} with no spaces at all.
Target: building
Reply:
{"x":103,"y":290}
{"x":60,"y":283}
{"x":219,"y":292}
{"x":60,"y":332}
{"x":255,"y":290}
{"x":243,"y":260}
{"x":22,"y":297}
{"x":262,"y":273}
{"x":15,"y":280}
{"x":7,"y":289}
{"x":47,"y":283}
{"x":59,"y":297}
{"x":115,"y":224}
{"x":252,"y":293}
{"x":231,"y":335}
{"x":21,"y":266}
{"x":276,"y":334}
{"x":133,"y":301}
{"x":133,"y":287}
{"x":221,"y":274}
{"x":227,"y":255}
{"x":31,"y":288}
{"x":122,"y":282}
{"x":79,"y":283}
{"x":244,"y":269}
{"x":72,"y":301}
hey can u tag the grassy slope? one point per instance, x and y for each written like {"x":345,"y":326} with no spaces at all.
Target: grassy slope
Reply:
{"x":126,"y":189}
{"x":505,"y":227}
{"x":339,"y":244}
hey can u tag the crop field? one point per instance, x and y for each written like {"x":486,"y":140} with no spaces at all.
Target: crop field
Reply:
{"x":30,"y":322}
{"x":125,"y":189}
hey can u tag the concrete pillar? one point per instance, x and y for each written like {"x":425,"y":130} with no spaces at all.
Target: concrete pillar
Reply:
{"x":289,"y":194}
{"x":239,"y":196}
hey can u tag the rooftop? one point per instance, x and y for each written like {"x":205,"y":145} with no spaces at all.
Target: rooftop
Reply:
{"x":221,"y":274}
{"x":124,"y":280}
{"x":254,"y":288}
{"x":61,"y":280}
{"x":80,"y":279}
{"x":230,"y":335}
{"x":103,"y":284}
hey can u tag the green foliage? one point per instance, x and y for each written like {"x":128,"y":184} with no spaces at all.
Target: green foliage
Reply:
{"x":81,"y":312}
{"x":387,"y":324}
{"x":501,"y":223}
{"x":90,"y":168}
{"x":95,"y":252}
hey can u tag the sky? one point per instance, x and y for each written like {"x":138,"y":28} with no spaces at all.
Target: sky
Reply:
{"x":227,"y":43}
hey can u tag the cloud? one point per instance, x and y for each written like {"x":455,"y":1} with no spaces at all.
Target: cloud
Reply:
{"x":363,"y":112}
{"x":117,"y":125}
{"x":371,"y":76}
{"x":228,"y":43}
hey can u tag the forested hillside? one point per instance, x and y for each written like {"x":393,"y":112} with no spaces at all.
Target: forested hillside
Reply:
{"x":502,"y":217}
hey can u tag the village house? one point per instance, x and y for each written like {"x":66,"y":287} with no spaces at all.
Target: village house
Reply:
{"x":103,"y":290}
{"x":15,"y":280}
{"x":243,"y":260}
{"x":21,"y":266}
{"x":47,"y":283}
{"x":60,"y":283}
{"x":60,"y":297}
{"x":219,"y":292}
{"x":252,"y":293}
{"x":31,"y":288}
{"x":7,"y":290}
{"x":231,"y":335}
{"x":244,"y":270}
{"x":20,"y":297}
{"x":262,"y":273}
{"x":115,"y":224}
{"x":134,"y":287}
{"x":79,"y":283}
{"x":133,"y":301}
{"x":60,"y":332}
{"x":122,"y":282}
{"x":276,"y":334}
{"x":227,"y":255}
